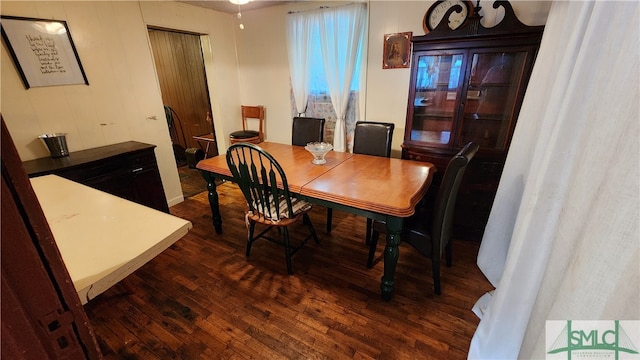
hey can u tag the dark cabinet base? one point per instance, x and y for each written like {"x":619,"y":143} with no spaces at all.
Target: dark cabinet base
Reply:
{"x":128,"y":170}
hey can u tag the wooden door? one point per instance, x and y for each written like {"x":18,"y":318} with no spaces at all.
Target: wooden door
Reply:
{"x":42,"y":316}
{"x":180,"y":66}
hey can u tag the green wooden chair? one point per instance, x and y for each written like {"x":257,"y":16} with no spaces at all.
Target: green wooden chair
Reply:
{"x":264,"y":185}
{"x":429,"y":233}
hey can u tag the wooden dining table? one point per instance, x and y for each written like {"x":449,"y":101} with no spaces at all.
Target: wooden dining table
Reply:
{"x":379,"y":188}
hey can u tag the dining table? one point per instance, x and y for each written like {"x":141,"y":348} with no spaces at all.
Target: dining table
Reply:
{"x":379,"y":188}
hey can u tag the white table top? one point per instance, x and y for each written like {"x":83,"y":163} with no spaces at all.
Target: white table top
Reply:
{"x":102,"y":238}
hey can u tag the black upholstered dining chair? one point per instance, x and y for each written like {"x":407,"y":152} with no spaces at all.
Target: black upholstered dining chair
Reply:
{"x":258,"y":175}
{"x":369,"y":138}
{"x":373,"y":138}
{"x":430,"y":233}
{"x":306,"y":130}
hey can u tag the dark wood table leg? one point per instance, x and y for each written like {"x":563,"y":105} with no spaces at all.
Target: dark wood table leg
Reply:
{"x":391,"y":253}
{"x":213,"y":201}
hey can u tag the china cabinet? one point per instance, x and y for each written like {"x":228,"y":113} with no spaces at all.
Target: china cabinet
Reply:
{"x":467,"y":84}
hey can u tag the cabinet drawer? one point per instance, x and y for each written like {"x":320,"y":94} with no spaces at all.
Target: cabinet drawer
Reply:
{"x":143,"y":159}
{"x":121,"y":164}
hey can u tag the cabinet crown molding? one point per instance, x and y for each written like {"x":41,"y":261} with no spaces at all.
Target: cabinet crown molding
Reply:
{"x":509,"y":25}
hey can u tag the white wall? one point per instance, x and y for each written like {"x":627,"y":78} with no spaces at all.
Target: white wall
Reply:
{"x":264,"y":75}
{"x":123,"y":101}
{"x":388,"y":89}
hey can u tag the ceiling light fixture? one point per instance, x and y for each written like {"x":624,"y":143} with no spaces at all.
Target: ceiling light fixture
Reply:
{"x":240,"y":2}
{"x":240,"y":18}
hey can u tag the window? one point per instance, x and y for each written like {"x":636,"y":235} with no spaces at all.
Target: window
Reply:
{"x":325,"y":58}
{"x":318,"y":84}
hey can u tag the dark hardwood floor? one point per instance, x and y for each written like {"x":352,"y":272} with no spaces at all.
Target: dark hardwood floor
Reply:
{"x":203,"y":299}
{"x":191,"y":181}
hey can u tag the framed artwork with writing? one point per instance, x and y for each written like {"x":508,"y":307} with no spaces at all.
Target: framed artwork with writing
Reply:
{"x":42,"y":51}
{"x":397,"y":50}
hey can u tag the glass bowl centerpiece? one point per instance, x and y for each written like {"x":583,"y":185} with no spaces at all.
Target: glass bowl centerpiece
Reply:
{"x":318,"y":150}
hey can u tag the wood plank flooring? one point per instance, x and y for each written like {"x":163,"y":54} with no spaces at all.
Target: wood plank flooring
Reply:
{"x":191,"y":181}
{"x":203,"y":299}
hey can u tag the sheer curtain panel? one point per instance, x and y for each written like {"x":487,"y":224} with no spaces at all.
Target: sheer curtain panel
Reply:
{"x":341,"y":37}
{"x":562,"y":241}
{"x":325,"y":54}
{"x":299,"y":40}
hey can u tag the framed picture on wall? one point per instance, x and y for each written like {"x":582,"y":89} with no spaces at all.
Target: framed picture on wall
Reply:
{"x":42,"y":51}
{"x":397,"y":50}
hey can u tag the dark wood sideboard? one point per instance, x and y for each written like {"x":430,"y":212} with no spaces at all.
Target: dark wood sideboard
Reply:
{"x":128,"y":170}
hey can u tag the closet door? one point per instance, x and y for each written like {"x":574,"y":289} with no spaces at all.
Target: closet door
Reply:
{"x":183,"y":83}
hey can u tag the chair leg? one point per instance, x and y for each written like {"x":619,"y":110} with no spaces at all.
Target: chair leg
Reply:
{"x":373,"y":244}
{"x":367,"y":236}
{"x":252,"y":227}
{"x":329,"y":218}
{"x":287,"y":251}
{"x":307,"y":220}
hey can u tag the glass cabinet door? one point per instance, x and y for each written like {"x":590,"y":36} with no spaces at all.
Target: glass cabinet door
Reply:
{"x":490,"y":106}
{"x":437,"y":81}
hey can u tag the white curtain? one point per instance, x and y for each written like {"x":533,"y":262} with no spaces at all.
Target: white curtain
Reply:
{"x":299,"y":37}
{"x":562,"y":241}
{"x":341,"y":38}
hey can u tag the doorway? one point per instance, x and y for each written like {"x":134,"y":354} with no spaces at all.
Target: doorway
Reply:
{"x":183,"y":83}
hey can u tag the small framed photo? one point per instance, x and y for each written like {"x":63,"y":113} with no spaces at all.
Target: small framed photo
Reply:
{"x":43,"y":51}
{"x":397,"y":50}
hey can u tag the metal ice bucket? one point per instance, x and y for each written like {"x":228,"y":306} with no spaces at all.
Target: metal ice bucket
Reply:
{"x":56,"y":143}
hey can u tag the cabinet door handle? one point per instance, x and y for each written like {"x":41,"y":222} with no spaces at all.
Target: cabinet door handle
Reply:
{"x":137,"y":170}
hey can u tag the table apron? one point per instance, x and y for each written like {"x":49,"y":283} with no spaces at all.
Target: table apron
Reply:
{"x":350,"y":209}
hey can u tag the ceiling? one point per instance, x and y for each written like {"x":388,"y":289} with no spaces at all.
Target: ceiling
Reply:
{"x":227,"y":7}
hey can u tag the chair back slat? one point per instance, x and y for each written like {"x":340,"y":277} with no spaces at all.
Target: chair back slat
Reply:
{"x":274,"y":191}
{"x":241,"y":172}
{"x":257,"y":190}
{"x":252,"y":112}
{"x":261,"y":180}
